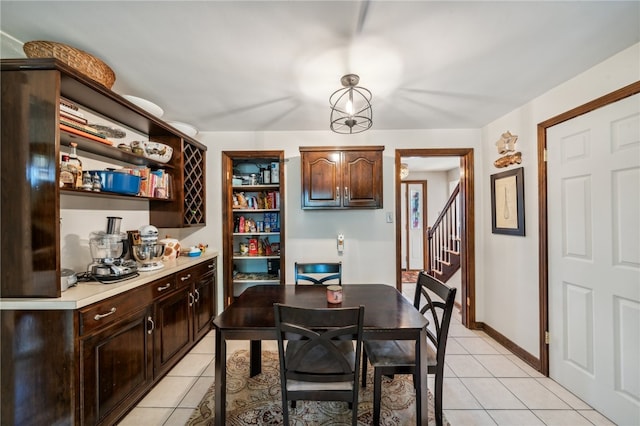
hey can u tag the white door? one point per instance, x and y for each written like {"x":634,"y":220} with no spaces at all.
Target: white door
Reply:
{"x":593,"y":174}
{"x":403,"y":236}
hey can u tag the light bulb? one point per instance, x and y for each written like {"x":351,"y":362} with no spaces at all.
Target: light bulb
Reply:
{"x":349,"y":106}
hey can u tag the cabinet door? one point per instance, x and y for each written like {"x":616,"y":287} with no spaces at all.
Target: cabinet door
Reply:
{"x":321,"y":183}
{"x":204,"y":305}
{"x":362,"y":179}
{"x":116,"y":367}
{"x":173,"y":328}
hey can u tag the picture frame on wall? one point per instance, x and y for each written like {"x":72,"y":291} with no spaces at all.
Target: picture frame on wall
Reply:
{"x":507,"y":202}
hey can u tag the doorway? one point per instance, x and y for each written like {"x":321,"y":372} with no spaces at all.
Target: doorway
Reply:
{"x":467,"y":224}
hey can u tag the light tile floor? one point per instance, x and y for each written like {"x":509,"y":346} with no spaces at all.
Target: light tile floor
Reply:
{"x":484,"y":384}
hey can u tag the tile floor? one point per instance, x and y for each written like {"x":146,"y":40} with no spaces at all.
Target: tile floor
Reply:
{"x":484,"y":384}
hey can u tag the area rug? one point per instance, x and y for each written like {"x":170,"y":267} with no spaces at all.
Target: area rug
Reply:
{"x":256,"y":401}
{"x":410,"y":276}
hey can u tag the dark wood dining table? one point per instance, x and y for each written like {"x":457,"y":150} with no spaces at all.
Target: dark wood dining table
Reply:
{"x":388,"y":315}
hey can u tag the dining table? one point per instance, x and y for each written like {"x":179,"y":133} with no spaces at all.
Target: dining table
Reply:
{"x":388,"y":315}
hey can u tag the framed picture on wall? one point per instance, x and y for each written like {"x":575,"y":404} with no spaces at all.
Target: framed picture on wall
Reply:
{"x":416,"y":209}
{"x":507,"y":202}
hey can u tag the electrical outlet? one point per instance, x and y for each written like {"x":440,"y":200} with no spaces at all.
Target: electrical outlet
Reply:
{"x":389,"y":217}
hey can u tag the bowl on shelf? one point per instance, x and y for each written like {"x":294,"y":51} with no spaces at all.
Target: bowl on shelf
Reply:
{"x":158,"y":151}
{"x":185,"y":128}
{"x":146,"y":105}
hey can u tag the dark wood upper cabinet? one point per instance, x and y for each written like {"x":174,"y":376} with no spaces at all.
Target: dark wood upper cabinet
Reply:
{"x":32,"y":140}
{"x":341,"y":177}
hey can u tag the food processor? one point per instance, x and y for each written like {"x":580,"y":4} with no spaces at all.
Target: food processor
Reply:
{"x":108,"y":249}
{"x":148,"y":252}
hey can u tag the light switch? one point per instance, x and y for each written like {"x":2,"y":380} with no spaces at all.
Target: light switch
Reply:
{"x":389,"y":217}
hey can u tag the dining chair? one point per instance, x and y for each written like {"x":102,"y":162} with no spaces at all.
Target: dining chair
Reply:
{"x":318,"y":273}
{"x":389,"y":357}
{"x":319,"y":351}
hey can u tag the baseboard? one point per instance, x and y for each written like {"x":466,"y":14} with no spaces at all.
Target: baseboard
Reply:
{"x":531,"y":360}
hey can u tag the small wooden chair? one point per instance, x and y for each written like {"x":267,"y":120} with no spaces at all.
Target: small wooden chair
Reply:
{"x":319,"y":361}
{"x":318,"y":273}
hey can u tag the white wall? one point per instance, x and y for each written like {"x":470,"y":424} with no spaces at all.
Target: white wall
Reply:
{"x":509,"y":286}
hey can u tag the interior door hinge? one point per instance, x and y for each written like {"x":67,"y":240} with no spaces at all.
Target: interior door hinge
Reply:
{"x":546,"y":338}
{"x":545,"y":155}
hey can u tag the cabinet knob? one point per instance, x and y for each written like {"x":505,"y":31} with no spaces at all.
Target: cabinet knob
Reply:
{"x":186,"y":277}
{"x":337,"y":193}
{"x":100,"y":316}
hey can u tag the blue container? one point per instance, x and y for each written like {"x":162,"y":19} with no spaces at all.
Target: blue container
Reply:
{"x":118,"y":182}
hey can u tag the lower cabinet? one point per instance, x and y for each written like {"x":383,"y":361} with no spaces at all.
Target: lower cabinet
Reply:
{"x":116,"y":368}
{"x":130,"y":341}
{"x":173,"y":336}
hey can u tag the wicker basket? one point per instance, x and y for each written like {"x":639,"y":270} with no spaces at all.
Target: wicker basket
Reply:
{"x":80,"y":60}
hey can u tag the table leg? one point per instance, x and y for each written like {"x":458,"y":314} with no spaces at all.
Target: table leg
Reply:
{"x":255,"y":358}
{"x":422,"y":413}
{"x":220,"y":379}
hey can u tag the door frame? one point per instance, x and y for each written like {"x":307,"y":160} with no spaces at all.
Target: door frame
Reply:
{"x":467,"y":224}
{"x":543,"y":248}
{"x":424,"y":220}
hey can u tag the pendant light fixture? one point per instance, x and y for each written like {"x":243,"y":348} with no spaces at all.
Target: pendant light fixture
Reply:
{"x":404,"y":170}
{"x":350,"y":107}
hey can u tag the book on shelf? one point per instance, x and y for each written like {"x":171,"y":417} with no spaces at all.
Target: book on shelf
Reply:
{"x":159,"y":184}
{"x":74,"y":118}
{"x":84,"y":134}
{"x":71,"y":111}
{"x":82,"y":127}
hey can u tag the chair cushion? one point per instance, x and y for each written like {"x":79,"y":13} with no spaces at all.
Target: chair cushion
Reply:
{"x":317,"y":361}
{"x":389,"y":353}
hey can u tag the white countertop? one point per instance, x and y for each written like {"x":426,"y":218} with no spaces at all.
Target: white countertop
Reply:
{"x":84,"y":294}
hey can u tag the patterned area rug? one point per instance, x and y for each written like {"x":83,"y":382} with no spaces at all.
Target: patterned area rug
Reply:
{"x":256,"y":401}
{"x":410,"y":276}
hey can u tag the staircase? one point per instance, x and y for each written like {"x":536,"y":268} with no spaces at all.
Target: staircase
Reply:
{"x":443,"y":240}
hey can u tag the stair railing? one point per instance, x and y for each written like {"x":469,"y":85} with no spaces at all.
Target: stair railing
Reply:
{"x":443,"y":238}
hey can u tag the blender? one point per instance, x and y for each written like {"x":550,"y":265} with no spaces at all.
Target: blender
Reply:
{"x":148,"y":252}
{"x":108,"y":249}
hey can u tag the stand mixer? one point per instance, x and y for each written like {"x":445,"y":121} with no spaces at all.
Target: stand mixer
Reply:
{"x":108,"y":249}
{"x":149,"y":252}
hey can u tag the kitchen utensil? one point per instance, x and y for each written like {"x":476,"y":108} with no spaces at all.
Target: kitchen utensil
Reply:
{"x":149,"y":252}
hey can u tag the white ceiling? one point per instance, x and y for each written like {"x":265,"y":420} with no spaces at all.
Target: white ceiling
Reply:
{"x":271,"y":65}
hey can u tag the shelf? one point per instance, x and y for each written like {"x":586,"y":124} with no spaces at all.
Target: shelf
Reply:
{"x":257,"y":187}
{"x":255,"y":210}
{"x":99,"y":148}
{"x":262,"y":277}
{"x":242,"y":234}
{"x":256,"y":257}
{"x":107,"y":194}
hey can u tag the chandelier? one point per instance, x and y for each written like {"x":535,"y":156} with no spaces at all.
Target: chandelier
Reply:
{"x":350,"y":107}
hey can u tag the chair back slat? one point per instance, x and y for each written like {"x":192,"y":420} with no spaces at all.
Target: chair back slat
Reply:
{"x":318,"y":273}
{"x":439,"y":311}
